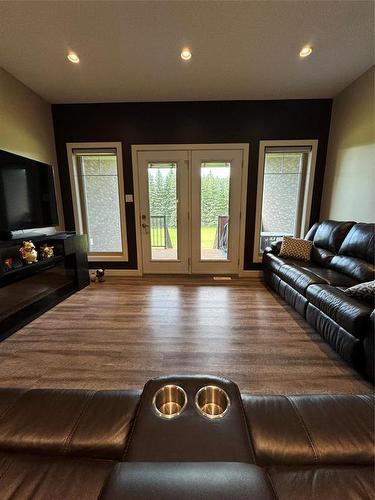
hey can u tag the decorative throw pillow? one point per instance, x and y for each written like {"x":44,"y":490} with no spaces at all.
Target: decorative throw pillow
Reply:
{"x":363,"y":291}
{"x":296,"y":248}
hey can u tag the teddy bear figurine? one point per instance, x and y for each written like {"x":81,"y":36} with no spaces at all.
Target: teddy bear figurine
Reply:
{"x":46,"y":251}
{"x":28,"y":253}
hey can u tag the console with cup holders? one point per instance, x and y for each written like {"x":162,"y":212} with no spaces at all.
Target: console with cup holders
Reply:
{"x":342,"y":256}
{"x":185,"y":437}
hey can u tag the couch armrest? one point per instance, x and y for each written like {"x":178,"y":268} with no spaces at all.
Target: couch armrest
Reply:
{"x":340,"y":425}
{"x":74,"y":423}
{"x":274,"y":248}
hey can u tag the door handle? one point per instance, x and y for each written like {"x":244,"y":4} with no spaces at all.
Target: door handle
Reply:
{"x":145,"y":226}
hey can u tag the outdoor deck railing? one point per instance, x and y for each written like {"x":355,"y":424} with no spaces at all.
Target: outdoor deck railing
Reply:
{"x":267,"y":238}
{"x":158,"y":231}
{"x":222,"y":232}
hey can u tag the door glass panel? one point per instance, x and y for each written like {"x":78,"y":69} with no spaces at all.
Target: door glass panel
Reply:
{"x":281,"y":206}
{"x":214,"y":230}
{"x":100,"y":190}
{"x":162,"y":192}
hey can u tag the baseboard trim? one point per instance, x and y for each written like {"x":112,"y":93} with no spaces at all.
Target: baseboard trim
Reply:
{"x":250,"y":274}
{"x":121,"y":272}
{"x":137,"y":272}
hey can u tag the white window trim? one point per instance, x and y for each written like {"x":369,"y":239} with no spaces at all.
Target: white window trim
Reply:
{"x":73,"y":173}
{"x":309,"y":184}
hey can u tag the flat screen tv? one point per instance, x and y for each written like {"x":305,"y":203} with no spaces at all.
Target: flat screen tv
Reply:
{"x":27,"y":194}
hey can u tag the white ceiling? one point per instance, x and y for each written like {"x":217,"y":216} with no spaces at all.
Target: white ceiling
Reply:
{"x":129,"y":50}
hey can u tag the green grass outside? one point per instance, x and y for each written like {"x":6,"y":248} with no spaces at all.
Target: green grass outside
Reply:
{"x":207,"y":236}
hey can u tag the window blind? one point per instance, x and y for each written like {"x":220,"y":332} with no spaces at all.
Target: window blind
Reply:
{"x":95,"y":152}
{"x":288,"y":149}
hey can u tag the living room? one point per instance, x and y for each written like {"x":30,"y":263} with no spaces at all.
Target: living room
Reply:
{"x":187,"y":201}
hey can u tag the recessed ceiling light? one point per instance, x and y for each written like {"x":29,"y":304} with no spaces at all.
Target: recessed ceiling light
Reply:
{"x":73,"y":57}
{"x":185,"y":54}
{"x":305,"y":51}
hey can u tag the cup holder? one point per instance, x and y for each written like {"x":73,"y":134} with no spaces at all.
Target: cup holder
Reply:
{"x":169,"y":401}
{"x":212,"y":402}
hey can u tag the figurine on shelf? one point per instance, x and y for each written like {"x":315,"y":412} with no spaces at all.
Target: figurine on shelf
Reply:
{"x":46,"y":251}
{"x":28,"y":252}
{"x":8,"y":264}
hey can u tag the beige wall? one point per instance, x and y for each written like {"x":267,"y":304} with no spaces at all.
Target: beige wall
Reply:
{"x":349,"y":182}
{"x":26,"y":125}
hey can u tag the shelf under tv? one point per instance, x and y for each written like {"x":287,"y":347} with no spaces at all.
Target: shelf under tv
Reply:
{"x":29,"y":269}
{"x":28,"y":291}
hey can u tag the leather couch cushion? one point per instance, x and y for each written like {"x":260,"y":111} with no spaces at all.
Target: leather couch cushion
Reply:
{"x":321,"y":256}
{"x":187,"y":481}
{"x":311,"y":430}
{"x":300,"y":274}
{"x":311,"y":232}
{"x":369,"y":350}
{"x":347,"y":345}
{"x":23,"y":477}
{"x":360,"y":242}
{"x":330,"y":276}
{"x":331,"y":233}
{"x":357,"y":269}
{"x":293,"y":297}
{"x":8,"y":397}
{"x":357,"y":253}
{"x":349,"y":313}
{"x":271,"y":279}
{"x":298,"y":277}
{"x":274,"y":262}
{"x":328,"y":483}
{"x":67,"y":422}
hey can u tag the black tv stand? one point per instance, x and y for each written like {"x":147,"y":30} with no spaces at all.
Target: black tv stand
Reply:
{"x":28,"y":290}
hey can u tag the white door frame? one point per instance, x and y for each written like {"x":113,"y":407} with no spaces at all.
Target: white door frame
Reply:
{"x":244,"y":147}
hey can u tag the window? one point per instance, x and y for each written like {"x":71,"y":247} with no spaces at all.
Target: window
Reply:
{"x":98,"y":196}
{"x":162,"y":194}
{"x":215,"y":183}
{"x":284,"y":192}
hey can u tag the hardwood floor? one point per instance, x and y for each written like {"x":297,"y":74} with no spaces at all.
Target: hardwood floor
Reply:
{"x":119,"y":333}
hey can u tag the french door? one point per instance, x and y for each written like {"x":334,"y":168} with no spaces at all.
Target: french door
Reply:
{"x":190,"y":204}
{"x":164,"y":203}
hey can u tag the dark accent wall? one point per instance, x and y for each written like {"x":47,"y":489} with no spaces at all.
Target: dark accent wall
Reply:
{"x":191,"y":123}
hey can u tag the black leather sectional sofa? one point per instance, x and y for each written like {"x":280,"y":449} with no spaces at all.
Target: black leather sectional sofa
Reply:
{"x":77,"y":444}
{"x":342,"y":256}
